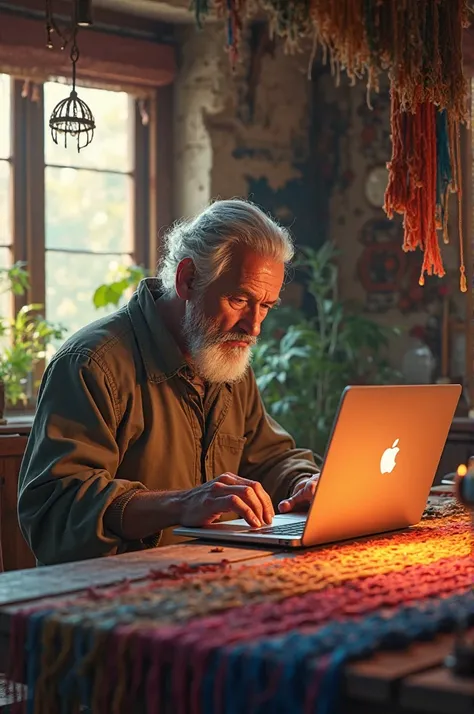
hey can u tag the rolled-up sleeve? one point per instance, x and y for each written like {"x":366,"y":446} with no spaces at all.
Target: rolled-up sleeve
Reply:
{"x":67,"y":477}
{"x":270,"y":455}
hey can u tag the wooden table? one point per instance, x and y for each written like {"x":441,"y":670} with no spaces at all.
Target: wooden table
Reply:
{"x":408,"y":682}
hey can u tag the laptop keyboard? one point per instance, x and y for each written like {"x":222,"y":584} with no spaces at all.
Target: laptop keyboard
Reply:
{"x":290,"y":529}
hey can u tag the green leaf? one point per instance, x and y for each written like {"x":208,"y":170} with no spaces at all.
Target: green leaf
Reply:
{"x":100,"y":296}
{"x":264,"y":380}
{"x":112,"y":293}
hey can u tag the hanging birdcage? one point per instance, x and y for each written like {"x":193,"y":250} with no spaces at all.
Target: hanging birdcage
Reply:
{"x":72,"y":117}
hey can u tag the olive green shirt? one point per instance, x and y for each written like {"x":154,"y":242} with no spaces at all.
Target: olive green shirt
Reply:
{"x":117,"y":411}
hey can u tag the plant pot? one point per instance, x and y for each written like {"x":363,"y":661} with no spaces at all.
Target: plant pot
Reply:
{"x":2,"y":403}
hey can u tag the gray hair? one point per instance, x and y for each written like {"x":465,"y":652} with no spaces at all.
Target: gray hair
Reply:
{"x":210,"y":238}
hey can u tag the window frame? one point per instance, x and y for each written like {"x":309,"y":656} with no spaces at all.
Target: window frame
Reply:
{"x":151,"y":196}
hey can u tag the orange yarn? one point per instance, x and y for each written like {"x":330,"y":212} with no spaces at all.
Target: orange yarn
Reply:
{"x":411,"y":189}
{"x":455,"y":152}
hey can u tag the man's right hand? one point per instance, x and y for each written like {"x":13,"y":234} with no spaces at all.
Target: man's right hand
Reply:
{"x":205,"y":504}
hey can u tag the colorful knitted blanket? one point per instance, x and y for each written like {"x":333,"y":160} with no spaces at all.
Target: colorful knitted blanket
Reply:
{"x":262,"y":637}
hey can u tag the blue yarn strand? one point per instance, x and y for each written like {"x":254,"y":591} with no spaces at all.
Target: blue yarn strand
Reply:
{"x":444,"y":170}
{"x":33,"y":655}
{"x":345,"y":640}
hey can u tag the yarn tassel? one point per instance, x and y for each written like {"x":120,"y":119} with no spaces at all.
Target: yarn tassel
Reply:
{"x":455,"y":152}
{"x":33,"y":660}
{"x":46,"y":690}
{"x":16,"y":667}
{"x":396,"y":195}
{"x":233,"y":11}
{"x":414,"y":180}
{"x":444,"y":175}
{"x":97,"y":659}
{"x":137,"y":653}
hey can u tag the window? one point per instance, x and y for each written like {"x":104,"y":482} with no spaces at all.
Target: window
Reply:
{"x":73,"y":218}
{"x":6,"y":228}
{"x":88,"y":206}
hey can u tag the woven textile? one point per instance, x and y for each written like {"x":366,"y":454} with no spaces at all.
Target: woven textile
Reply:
{"x":419,"y":44}
{"x":263,"y":637}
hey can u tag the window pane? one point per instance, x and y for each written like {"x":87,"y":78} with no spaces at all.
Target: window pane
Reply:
{"x":5,"y":201}
{"x":88,"y":210}
{"x":5,"y":98}
{"x":111,"y":147}
{"x":71,"y":281}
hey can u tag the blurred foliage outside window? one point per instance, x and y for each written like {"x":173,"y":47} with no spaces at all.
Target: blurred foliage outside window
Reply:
{"x":89,"y":207}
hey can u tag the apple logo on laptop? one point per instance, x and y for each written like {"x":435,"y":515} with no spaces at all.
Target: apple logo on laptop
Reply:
{"x":388,"y":460}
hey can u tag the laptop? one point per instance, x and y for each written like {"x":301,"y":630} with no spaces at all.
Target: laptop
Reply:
{"x":379,"y":466}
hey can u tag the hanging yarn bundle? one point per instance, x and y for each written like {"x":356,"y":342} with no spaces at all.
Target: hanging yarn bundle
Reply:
{"x":419,"y":44}
{"x":429,"y":103}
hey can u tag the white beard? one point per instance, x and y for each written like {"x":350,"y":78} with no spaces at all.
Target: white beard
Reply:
{"x":214,"y":362}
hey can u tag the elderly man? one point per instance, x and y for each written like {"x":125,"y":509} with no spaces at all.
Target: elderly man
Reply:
{"x":151,"y":418}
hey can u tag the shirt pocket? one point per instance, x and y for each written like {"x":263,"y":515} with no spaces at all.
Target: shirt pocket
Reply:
{"x":227,"y":453}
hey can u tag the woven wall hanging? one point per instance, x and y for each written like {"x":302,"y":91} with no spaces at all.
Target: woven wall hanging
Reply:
{"x":419,"y":45}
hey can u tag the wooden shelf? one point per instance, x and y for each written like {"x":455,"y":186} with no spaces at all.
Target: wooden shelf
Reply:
{"x":17,"y":424}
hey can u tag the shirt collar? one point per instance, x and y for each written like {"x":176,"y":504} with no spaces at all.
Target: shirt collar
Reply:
{"x":160,"y":353}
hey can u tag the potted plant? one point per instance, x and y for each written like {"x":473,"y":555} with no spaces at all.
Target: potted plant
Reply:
{"x":305,"y":358}
{"x":24,"y":339}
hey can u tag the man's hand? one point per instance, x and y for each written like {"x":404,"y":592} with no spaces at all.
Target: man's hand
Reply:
{"x":302,"y":495}
{"x":204,"y":504}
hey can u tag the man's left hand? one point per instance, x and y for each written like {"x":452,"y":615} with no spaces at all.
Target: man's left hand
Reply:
{"x":302,"y":495}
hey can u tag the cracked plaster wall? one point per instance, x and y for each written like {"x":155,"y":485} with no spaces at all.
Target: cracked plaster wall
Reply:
{"x":244,"y":133}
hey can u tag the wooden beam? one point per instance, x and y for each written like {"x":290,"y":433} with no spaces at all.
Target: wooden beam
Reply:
{"x":19,"y":152}
{"x":107,"y":57}
{"x":142,"y":192}
{"x":161,"y":170}
{"x":118,"y":20}
{"x":35,"y":209}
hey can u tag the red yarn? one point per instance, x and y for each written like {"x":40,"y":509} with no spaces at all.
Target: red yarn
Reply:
{"x":411,"y":187}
